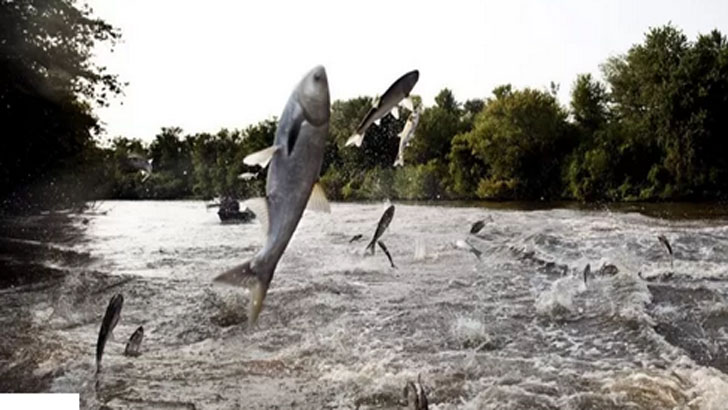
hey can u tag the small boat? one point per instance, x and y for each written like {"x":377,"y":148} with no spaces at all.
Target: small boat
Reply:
{"x":230,"y":211}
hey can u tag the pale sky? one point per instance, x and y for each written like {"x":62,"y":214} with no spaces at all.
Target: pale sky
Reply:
{"x":205,"y":65}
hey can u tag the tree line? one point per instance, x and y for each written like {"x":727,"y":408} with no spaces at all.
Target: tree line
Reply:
{"x":654,"y":129}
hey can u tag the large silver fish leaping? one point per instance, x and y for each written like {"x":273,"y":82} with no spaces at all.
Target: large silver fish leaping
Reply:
{"x":295,"y":163}
{"x":408,"y":132}
{"x":397,"y":93}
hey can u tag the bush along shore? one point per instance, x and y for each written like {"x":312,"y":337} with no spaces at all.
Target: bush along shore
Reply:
{"x":653,"y":129}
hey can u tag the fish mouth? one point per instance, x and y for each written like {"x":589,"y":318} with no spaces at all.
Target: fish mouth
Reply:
{"x":314,"y":96}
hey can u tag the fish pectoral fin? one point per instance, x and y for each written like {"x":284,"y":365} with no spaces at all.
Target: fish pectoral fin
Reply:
{"x":318,"y":202}
{"x":259,"y":206}
{"x":407,"y":103}
{"x":355,"y":139}
{"x":262,"y":157}
{"x":395,"y":112}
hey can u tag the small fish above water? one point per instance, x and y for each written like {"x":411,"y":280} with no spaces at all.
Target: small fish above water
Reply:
{"x":381,"y":227}
{"x":663,"y":240}
{"x":111,"y":318}
{"x":477,"y":226}
{"x":139,"y":162}
{"x":397,"y":93}
{"x":356,"y":238}
{"x":587,"y":272}
{"x":133,"y":346}
{"x":408,"y":132}
{"x":247,"y":175}
{"x":415,"y":395}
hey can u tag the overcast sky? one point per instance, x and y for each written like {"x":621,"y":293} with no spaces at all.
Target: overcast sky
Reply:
{"x":205,"y":65}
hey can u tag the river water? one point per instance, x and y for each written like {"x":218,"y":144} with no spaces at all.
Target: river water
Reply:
{"x":516,"y":329}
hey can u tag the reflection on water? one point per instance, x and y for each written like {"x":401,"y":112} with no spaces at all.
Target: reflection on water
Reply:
{"x":517,"y":329}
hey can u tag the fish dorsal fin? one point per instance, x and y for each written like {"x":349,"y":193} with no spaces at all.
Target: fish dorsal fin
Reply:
{"x":259,"y":206}
{"x":318,"y":202}
{"x":395,"y":112}
{"x":262,"y":157}
{"x":377,"y":121}
{"x":407,"y":103}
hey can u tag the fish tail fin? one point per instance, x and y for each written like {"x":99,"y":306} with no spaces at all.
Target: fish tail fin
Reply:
{"x":355,"y":139}
{"x":478,"y":253}
{"x":245,"y":275}
{"x":399,"y":162}
{"x":371,"y":246}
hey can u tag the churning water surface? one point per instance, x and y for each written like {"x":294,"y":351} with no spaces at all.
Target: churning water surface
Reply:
{"x":516,"y":329}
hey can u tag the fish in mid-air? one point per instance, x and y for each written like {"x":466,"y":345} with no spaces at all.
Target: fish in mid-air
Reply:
{"x":663,"y":240}
{"x":134,"y":344}
{"x":587,"y":272}
{"x":111,"y":318}
{"x":414,"y":393}
{"x":356,"y":237}
{"x":386,"y":252}
{"x":397,"y":93}
{"x":140,"y":163}
{"x":295,"y":163}
{"x":381,"y":227}
{"x":408,"y":132}
{"x":477,"y":226}
{"x":247,"y":175}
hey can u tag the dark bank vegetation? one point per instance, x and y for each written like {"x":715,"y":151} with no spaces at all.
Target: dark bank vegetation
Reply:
{"x":656,"y":128}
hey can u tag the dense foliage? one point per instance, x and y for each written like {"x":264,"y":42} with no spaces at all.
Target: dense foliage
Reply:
{"x":655,"y":129}
{"x":48,"y":85}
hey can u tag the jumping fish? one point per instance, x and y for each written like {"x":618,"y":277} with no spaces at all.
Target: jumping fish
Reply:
{"x":291,"y":186}
{"x":356,"y":237}
{"x":477,"y":226}
{"x":139,"y":162}
{"x":587,"y":272}
{"x":111,"y":318}
{"x":408,"y":132}
{"x":247,"y":175}
{"x":381,"y":227}
{"x":135,"y":342}
{"x":414,"y":393}
{"x":663,"y":240}
{"x":397,"y":93}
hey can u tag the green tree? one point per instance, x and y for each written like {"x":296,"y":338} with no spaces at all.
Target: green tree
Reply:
{"x":671,"y":94}
{"x":518,"y":142}
{"x":48,"y":84}
{"x":437,"y":126}
{"x":589,"y":103}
